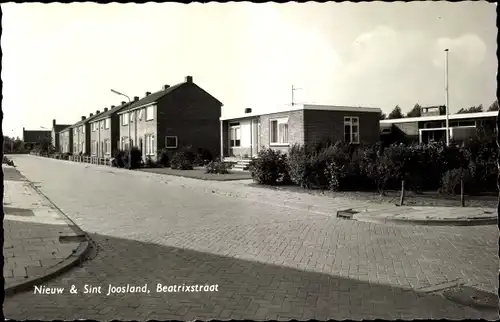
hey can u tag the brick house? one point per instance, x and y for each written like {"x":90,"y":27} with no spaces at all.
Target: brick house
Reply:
{"x":56,"y":129}
{"x":66,"y":140}
{"x":176,"y":116}
{"x":81,"y":135}
{"x":243,"y":137}
{"x":105,"y":131}
{"x":32,"y":138}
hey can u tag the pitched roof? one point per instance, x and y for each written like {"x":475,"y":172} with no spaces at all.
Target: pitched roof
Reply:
{"x":60,"y":127}
{"x":82,"y":122}
{"x":153,"y":97}
{"x":110,"y":112}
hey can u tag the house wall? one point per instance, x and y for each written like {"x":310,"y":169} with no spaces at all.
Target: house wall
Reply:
{"x":329,"y":125}
{"x":193,"y":116}
{"x":246,"y":133}
{"x":66,"y":141}
{"x":295,"y":129}
{"x":139,"y":129}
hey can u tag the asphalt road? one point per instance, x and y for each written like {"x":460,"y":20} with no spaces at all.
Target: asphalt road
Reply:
{"x":268,"y":262}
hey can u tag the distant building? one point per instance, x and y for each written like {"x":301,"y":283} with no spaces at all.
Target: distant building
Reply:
{"x":32,"y":138}
{"x":56,"y":129}
{"x":431,"y":126}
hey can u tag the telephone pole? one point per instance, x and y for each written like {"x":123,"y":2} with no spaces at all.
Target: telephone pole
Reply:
{"x":446,"y":98}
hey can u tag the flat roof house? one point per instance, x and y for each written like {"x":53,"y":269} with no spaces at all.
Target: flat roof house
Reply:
{"x":307,"y":124}
{"x":176,"y":116}
{"x":105,"y":131}
{"x":432,"y":127}
{"x":56,"y":129}
{"x":32,"y":138}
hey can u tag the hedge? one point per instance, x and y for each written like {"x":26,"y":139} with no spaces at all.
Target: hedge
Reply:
{"x":422,"y":167}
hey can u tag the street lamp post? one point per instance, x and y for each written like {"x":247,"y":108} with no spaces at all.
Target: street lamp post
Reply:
{"x":446,"y":98}
{"x":129,"y":145}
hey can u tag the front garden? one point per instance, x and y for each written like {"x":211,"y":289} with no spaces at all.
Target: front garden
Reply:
{"x":411,"y":170}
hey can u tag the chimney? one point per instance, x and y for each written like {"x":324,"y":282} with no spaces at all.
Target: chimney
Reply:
{"x":148,"y":93}
{"x":91,"y":115}
{"x":97,"y":112}
{"x":112,"y":106}
{"x":54,"y":123}
{"x":23,"y":128}
{"x":123,"y":102}
{"x":105,"y":109}
{"x":189,"y":79}
{"x":165,"y":87}
{"x":136,"y":98}
{"x":248,"y":110}
{"x":83,"y":117}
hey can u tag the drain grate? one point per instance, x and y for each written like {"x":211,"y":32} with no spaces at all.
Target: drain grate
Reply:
{"x":346,"y":214}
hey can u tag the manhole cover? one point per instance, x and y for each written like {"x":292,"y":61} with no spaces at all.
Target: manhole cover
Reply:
{"x":471,"y":296}
{"x":346,"y":214}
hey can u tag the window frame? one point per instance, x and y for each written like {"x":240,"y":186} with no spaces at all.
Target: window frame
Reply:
{"x":149,"y":144}
{"x":280,"y":120}
{"x":176,"y":141}
{"x":107,"y":123}
{"x":140,"y":114}
{"x":234,"y":128}
{"x":125,"y":116}
{"x":152,"y":116}
{"x":349,"y":121}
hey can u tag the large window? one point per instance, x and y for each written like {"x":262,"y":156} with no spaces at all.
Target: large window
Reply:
{"x":140,"y":112}
{"x":171,"y":142}
{"x":125,"y":119}
{"x":234,"y":135}
{"x":150,"y":144}
{"x":149,"y":113}
{"x":92,"y":127}
{"x":83,"y":128}
{"x":107,"y":146}
{"x":93,"y":147}
{"x":351,"y":129}
{"x":279,"y":131}
{"x":107,"y":123}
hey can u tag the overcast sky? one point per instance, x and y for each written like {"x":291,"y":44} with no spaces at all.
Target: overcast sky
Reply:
{"x":61,"y":60}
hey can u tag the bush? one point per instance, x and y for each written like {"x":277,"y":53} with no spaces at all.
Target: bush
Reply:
{"x":136,"y":159}
{"x":119,"y":158}
{"x":450,"y":182}
{"x":182,"y":160}
{"x":8,"y":161}
{"x":203,"y":157}
{"x":65,"y":156}
{"x":149,"y":163}
{"x":164,"y":157}
{"x":217,"y":167}
{"x":297,"y":163}
{"x":270,"y":168}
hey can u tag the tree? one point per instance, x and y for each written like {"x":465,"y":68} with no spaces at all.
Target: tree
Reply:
{"x":415,"y":112}
{"x":442,"y":110}
{"x":493,"y":107}
{"x":396,"y":113}
{"x":472,"y":109}
{"x":383,"y":116}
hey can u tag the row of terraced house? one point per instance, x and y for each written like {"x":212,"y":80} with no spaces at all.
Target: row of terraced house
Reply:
{"x":175,"y":116}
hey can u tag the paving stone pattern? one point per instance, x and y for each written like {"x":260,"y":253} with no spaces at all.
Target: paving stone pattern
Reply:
{"x":270,"y":261}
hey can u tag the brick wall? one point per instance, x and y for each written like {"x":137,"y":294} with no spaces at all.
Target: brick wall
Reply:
{"x":295,"y":129}
{"x":193,"y":116}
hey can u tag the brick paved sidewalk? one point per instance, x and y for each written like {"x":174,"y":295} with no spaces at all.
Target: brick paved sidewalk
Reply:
{"x":39,"y":240}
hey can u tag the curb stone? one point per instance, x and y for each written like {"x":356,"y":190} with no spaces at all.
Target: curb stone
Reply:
{"x":77,"y":256}
{"x":432,"y":222}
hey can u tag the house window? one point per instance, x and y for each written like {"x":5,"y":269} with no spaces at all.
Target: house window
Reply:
{"x":149,"y":113}
{"x":141,"y":111}
{"x":107,"y":123}
{"x":102,"y":124}
{"x":234,"y":136}
{"x":279,"y":131}
{"x":125,"y":119}
{"x":351,"y":130}
{"x":132,"y":116}
{"x":83,"y":129}
{"x":171,"y":142}
{"x":107,"y":146}
{"x":150,"y":144}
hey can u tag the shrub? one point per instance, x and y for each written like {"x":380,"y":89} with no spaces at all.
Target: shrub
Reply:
{"x":182,"y":160}
{"x":270,"y":168}
{"x":136,"y":159}
{"x":203,"y":157}
{"x":217,"y":167}
{"x":450,"y":182}
{"x":119,"y":158}
{"x":150,"y":163}
{"x":8,"y":161}
{"x":297,"y":163}
{"x":164,"y":156}
{"x":335,"y":163}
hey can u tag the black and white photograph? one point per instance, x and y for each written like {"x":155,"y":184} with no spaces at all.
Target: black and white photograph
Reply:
{"x":250,"y":161}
